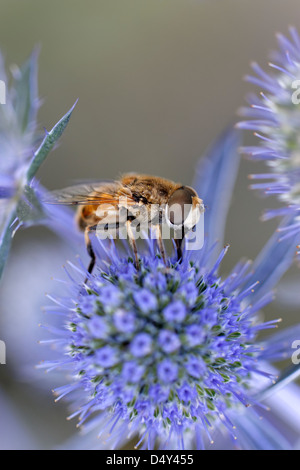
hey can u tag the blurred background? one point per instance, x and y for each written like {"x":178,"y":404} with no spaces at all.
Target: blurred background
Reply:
{"x":157,"y":81}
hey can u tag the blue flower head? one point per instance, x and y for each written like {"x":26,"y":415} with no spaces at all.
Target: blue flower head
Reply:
{"x":274,"y":116}
{"x":22,"y":151}
{"x":168,"y":352}
{"x":163,"y":366}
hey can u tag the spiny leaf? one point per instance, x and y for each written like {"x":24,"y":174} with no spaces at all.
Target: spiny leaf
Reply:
{"x":48,"y":143}
{"x":214,"y":181}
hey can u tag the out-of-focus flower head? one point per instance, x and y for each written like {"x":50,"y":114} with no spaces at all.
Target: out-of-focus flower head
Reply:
{"x":22,"y":151}
{"x":274,"y":115}
{"x":170,"y":353}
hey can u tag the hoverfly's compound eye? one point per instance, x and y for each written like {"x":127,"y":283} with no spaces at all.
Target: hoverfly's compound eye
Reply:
{"x":180,"y":205}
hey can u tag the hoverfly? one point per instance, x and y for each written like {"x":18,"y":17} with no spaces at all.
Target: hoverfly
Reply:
{"x":134,"y":199}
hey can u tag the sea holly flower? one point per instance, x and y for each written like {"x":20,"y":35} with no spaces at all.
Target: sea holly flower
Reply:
{"x":191,"y":360}
{"x":22,"y":152}
{"x":274,"y":116}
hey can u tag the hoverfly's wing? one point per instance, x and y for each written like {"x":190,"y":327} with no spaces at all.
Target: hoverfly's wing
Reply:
{"x":89,"y":182}
{"x":92,"y":194}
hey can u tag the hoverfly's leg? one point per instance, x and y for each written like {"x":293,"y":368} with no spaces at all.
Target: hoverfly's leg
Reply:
{"x":132,"y":243}
{"x":178,"y":243}
{"x":160,"y":242}
{"x":89,"y":249}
